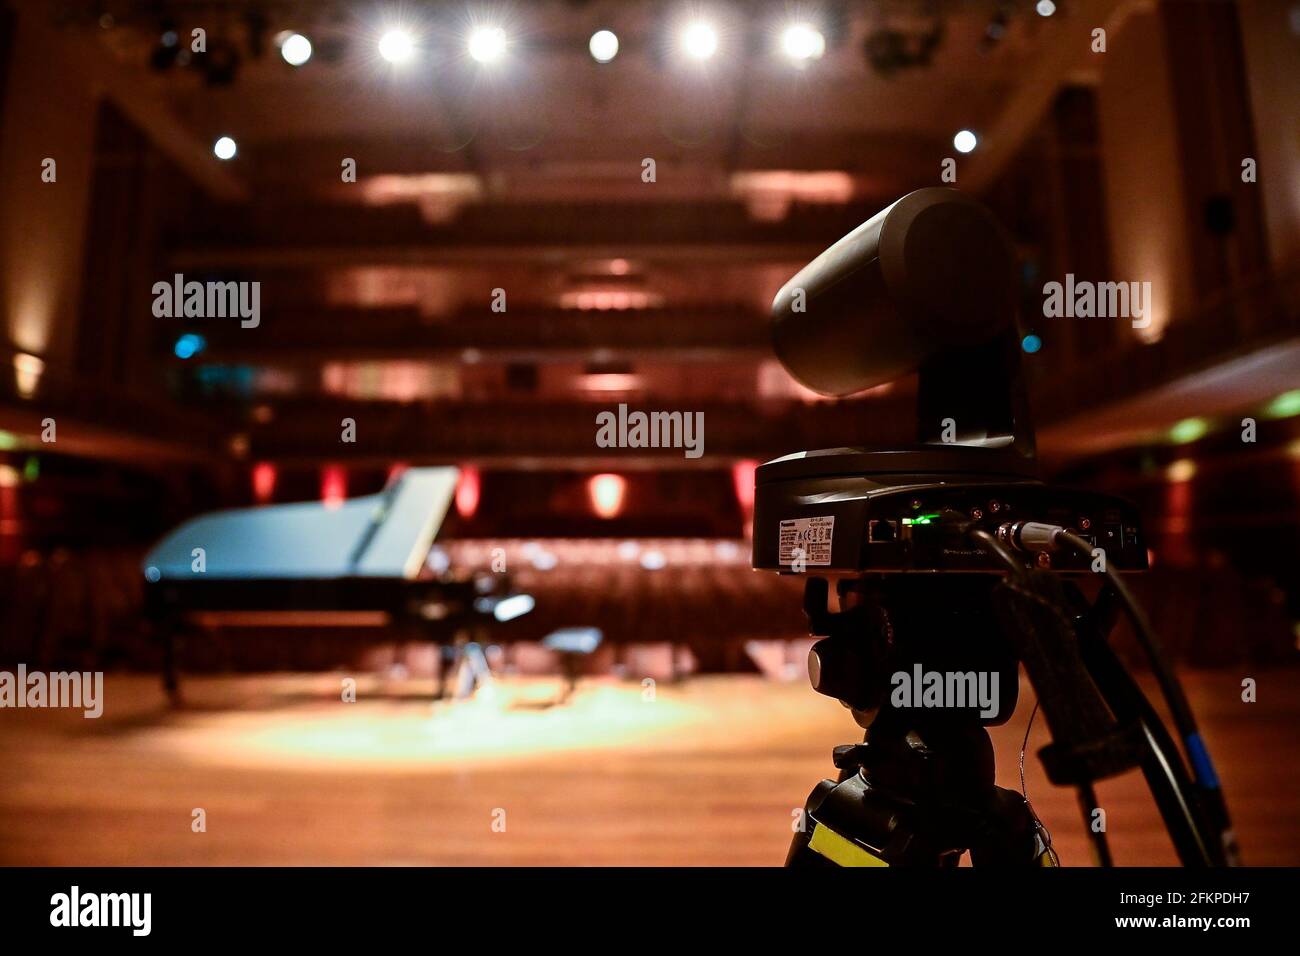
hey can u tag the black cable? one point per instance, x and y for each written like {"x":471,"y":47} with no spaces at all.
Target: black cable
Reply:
{"x":1151,"y":645}
{"x":994,"y":547}
{"x":1203,"y":772}
{"x":1047,"y":537}
{"x":1087,"y":801}
{"x":1170,"y":688}
{"x":1024,"y":744}
{"x":1033,"y":537}
{"x":1017,"y":572}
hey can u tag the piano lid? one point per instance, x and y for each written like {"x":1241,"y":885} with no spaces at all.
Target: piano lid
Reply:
{"x":384,"y":535}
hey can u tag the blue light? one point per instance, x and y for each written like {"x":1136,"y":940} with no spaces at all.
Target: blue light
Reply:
{"x":189,"y":345}
{"x":1031,"y":343}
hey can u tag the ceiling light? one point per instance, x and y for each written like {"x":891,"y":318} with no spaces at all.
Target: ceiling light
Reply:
{"x":397,"y":46}
{"x":296,"y":49}
{"x":487,"y":44}
{"x":699,"y":40}
{"x":603,"y":46}
{"x":802,"y":42}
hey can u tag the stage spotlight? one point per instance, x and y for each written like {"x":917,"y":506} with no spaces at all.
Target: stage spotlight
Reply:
{"x":220,"y":63}
{"x":964,"y":141}
{"x":487,"y":44}
{"x":802,"y":42}
{"x":296,"y":49}
{"x":699,"y":40}
{"x":891,"y":51}
{"x":603,"y":46}
{"x":225,"y":148}
{"x":1045,"y":8}
{"x":397,"y":46}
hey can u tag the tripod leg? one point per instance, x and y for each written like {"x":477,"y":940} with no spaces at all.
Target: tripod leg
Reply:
{"x":1161,"y":764}
{"x":832,"y":829}
{"x":1007,"y":833}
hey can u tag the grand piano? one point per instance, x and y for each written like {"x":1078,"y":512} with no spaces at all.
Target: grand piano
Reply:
{"x":363,"y":563}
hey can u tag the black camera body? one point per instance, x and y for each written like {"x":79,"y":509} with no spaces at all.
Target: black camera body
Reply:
{"x":926,"y":285}
{"x":849,"y":511}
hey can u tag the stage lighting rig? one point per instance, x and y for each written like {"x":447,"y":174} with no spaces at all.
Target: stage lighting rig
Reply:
{"x":225,"y":148}
{"x":295,"y":49}
{"x":890,"y":50}
{"x":486,"y":44}
{"x":965,"y":141}
{"x":165,"y":52}
{"x":947,"y":558}
{"x":603,"y":46}
{"x":802,"y":42}
{"x":220,"y":63}
{"x":256,"y":26}
{"x":995,"y":30}
{"x":699,"y":40}
{"x":397,"y":46}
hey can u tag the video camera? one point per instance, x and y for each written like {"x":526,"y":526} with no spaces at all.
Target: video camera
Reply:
{"x":928,"y":286}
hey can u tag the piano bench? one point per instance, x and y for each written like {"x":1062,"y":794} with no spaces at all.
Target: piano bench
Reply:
{"x":572,"y":644}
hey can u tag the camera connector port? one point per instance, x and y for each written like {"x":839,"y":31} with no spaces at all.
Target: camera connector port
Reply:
{"x":881,"y":531}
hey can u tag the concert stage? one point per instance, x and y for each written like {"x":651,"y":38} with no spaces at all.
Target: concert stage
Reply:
{"x":705,"y":772}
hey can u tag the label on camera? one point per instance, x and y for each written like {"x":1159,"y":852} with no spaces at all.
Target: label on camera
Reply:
{"x":806,"y":541}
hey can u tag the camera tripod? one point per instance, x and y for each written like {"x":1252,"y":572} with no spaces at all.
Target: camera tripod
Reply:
{"x":919,"y":790}
{"x":947,"y":554}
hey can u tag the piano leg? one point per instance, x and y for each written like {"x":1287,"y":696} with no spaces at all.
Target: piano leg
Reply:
{"x":569,"y":667}
{"x":449,"y":657}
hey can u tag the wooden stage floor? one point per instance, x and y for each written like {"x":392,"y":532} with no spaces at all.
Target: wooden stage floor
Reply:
{"x":708,"y":772}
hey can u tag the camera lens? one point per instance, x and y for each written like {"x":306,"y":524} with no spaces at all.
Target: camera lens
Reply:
{"x":930,"y":272}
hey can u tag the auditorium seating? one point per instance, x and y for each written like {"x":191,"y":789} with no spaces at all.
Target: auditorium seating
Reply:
{"x":699,"y":596}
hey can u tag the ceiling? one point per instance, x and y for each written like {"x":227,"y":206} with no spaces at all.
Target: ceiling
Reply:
{"x":529,"y":176}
